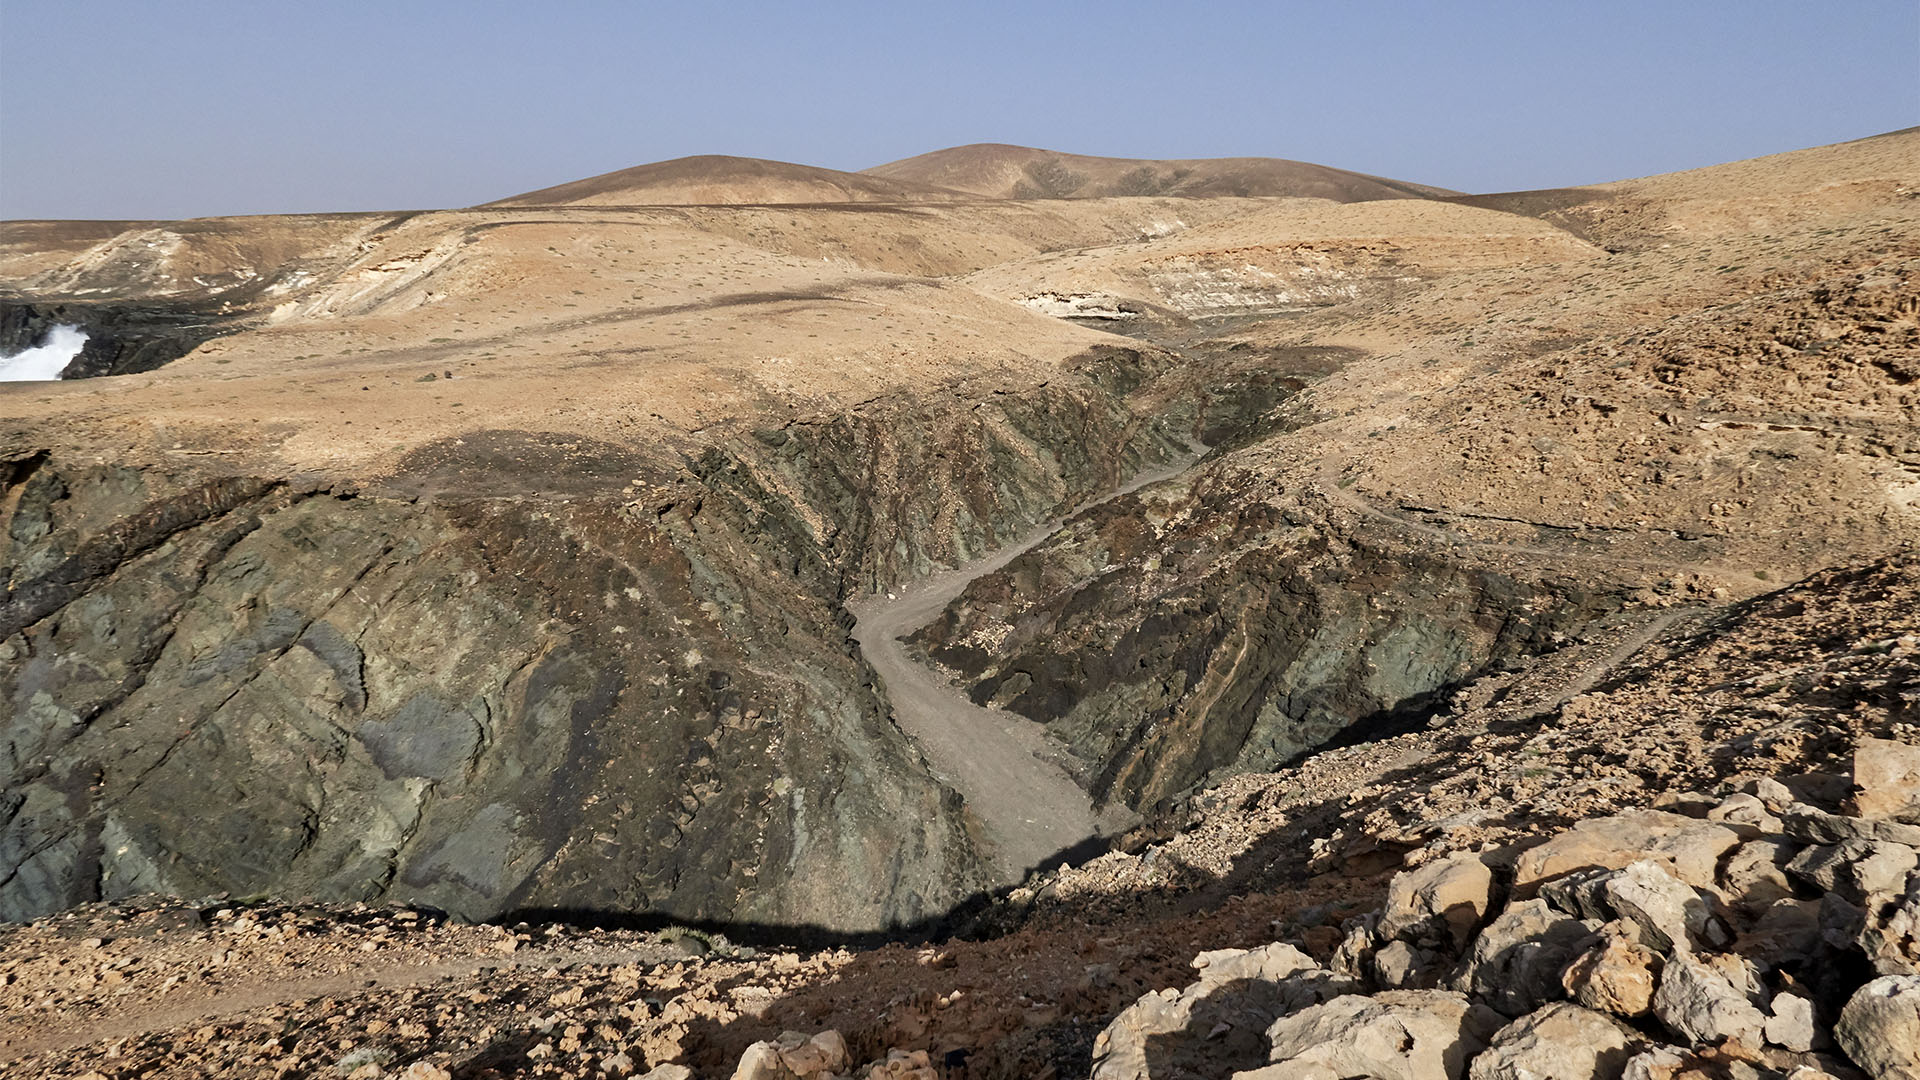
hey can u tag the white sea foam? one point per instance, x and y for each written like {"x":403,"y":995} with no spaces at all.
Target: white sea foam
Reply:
{"x":44,"y":361}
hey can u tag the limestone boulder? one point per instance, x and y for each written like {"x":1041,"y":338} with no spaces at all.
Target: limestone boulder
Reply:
{"x":902,"y":1065}
{"x":1880,"y":1028}
{"x":1217,"y":1023}
{"x":1742,"y":809}
{"x":795,"y":1055}
{"x":1359,"y":940}
{"x":1705,"y":1000}
{"x":1667,"y":915}
{"x":1516,"y":963}
{"x":1755,"y":875}
{"x":1560,"y":1042}
{"x":1889,"y":931}
{"x":1791,"y":1026}
{"x":1440,"y":903}
{"x":1787,"y":932}
{"x":1814,"y":826}
{"x":1400,"y":966}
{"x":1886,"y":780}
{"x":1394,"y":1035}
{"x":1857,"y":869}
{"x":1687,"y":848}
{"x":1616,"y":975}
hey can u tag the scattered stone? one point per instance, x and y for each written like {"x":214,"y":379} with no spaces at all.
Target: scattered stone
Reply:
{"x":1243,"y":989}
{"x":1791,"y":1025}
{"x":1889,"y":931}
{"x":1667,"y":915}
{"x":1560,"y":1042}
{"x":1880,"y":1028}
{"x":1697,"y":1001}
{"x":1655,"y":1063}
{"x":1516,"y":962}
{"x":1754,"y":876}
{"x":1886,"y":780}
{"x":1741,"y":808}
{"x":1687,"y":848}
{"x":1618,"y":975}
{"x":1773,"y":794}
{"x":1857,"y":869}
{"x":1440,"y":903}
{"x":1400,"y":966}
{"x":1819,"y":827}
{"x":903,"y":1065}
{"x":1394,"y":1035}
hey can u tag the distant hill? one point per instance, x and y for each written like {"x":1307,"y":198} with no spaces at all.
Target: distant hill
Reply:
{"x":1000,"y":171}
{"x":714,"y":179}
{"x":1731,"y":197}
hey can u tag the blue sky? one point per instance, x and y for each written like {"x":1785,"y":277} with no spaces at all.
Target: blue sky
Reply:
{"x":175,"y":108}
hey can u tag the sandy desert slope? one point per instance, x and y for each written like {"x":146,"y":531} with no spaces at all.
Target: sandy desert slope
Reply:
{"x":503,"y":562}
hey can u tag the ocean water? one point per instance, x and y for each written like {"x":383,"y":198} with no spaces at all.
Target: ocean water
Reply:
{"x":44,"y":361}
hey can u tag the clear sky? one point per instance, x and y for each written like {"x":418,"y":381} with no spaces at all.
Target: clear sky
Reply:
{"x":176,"y":108}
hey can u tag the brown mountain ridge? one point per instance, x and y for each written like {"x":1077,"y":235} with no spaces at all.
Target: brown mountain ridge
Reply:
{"x":720,"y":180}
{"x":965,"y":173}
{"x":1003,"y":171}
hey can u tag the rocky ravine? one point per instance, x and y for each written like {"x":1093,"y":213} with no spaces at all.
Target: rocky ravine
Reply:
{"x":452,"y":692}
{"x":1526,"y":887}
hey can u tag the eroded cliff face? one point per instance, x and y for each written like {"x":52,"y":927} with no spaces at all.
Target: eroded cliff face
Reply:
{"x":122,"y":338}
{"x":524,"y":673}
{"x":1190,"y":631}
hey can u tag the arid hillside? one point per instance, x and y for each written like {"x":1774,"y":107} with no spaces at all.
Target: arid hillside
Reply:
{"x":999,"y":171}
{"x":1492,"y":617}
{"x":717,"y":179}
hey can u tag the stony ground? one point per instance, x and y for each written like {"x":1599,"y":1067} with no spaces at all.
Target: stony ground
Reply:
{"x":1702,"y":393}
{"x":1784,"y":686}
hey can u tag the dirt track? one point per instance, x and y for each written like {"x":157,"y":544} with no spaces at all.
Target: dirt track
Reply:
{"x":1006,"y":767}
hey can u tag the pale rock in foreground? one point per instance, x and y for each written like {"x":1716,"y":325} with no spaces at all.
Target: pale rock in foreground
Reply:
{"x":1448,"y":896}
{"x":1698,"y":1000}
{"x":1880,"y":1028}
{"x":1886,"y":779}
{"x":795,"y":1056}
{"x":1617,"y":976}
{"x":1393,"y":1035}
{"x":1560,"y":1042}
{"x":1791,"y":1026}
{"x":1268,"y":982}
{"x":1689,"y":849}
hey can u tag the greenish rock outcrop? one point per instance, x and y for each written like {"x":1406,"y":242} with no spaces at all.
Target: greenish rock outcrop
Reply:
{"x":1197,"y":628}
{"x":523,"y":674}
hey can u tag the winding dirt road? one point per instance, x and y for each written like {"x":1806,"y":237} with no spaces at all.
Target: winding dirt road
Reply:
{"x":1006,"y":767}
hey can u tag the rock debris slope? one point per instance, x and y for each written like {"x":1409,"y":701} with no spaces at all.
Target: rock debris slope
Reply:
{"x":1524,"y":684}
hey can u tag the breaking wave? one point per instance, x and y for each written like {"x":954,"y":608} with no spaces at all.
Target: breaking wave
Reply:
{"x":44,"y":361}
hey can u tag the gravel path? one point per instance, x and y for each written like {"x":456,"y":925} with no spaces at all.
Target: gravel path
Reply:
{"x":1007,"y":767}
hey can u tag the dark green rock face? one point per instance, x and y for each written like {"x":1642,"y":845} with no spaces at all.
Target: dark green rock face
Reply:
{"x":521,"y":676}
{"x":1192,"y":631}
{"x":481,"y":706}
{"x":528,"y":674}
